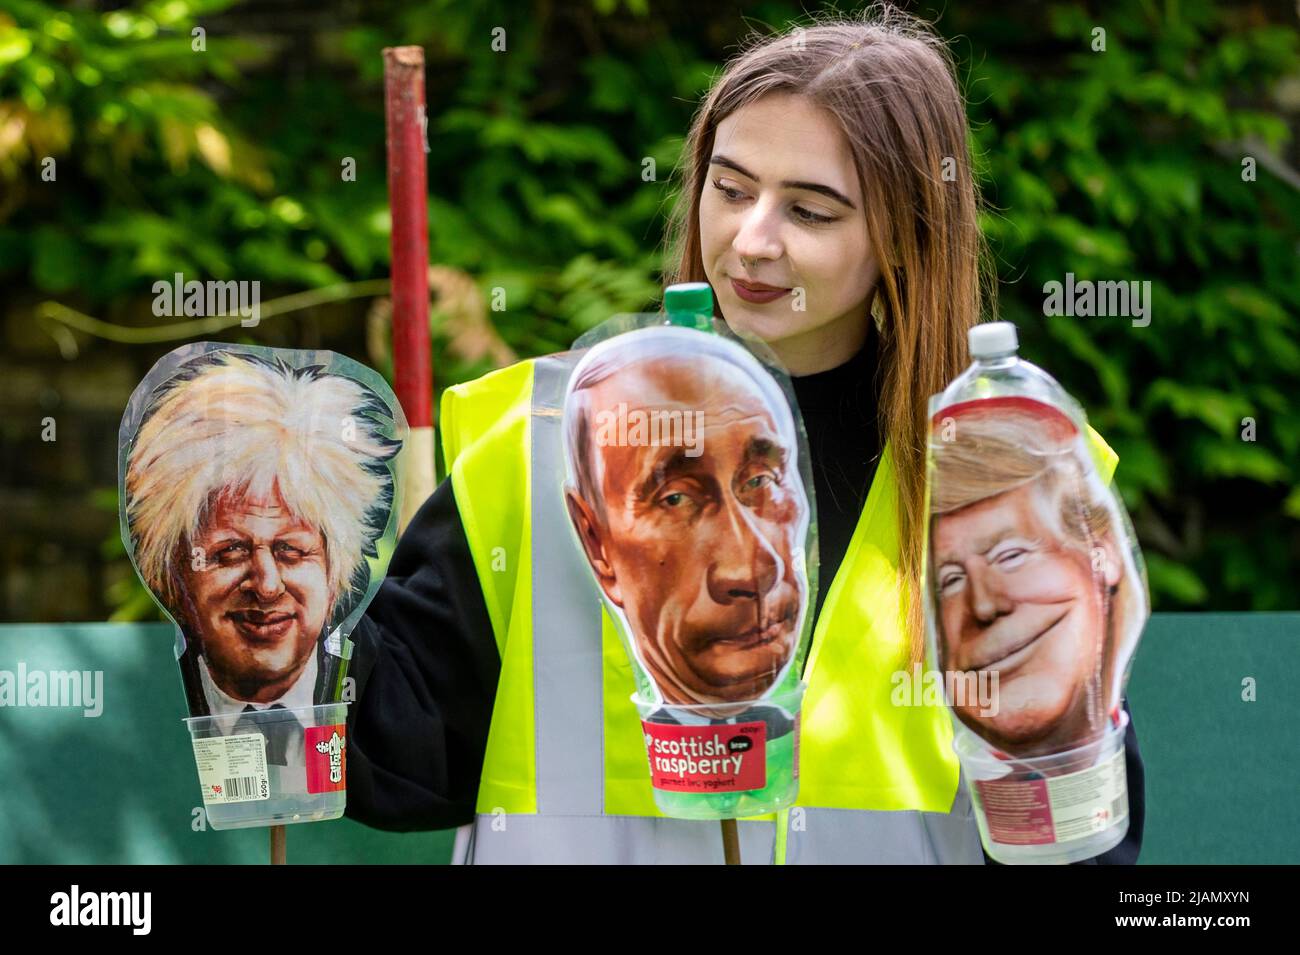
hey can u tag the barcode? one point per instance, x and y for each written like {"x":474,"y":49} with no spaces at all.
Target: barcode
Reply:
{"x":239,"y":787}
{"x":1119,"y":808}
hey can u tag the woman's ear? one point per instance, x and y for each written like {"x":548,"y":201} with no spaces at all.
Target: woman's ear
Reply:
{"x":592,"y":536}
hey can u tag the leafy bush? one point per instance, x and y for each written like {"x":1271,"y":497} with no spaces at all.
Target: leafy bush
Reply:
{"x":549,"y":179}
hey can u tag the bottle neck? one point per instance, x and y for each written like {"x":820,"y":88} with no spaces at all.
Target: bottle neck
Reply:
{"x":995,"y":362}
{"x":696,"y":320}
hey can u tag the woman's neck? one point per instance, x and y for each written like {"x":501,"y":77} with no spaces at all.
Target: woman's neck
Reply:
{"x":825,"y":347}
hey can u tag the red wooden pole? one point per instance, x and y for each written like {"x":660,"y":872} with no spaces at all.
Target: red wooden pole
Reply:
{"x":404,"y":111}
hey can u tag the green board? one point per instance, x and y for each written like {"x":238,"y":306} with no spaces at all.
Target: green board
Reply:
{"x":121,"y":787}
{"x":1222,"y":773}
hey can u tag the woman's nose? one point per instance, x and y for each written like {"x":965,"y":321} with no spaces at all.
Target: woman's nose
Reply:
{"x":759,"y":236}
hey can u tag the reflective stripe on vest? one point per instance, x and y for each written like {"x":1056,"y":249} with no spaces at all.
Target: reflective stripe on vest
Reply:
{"x":565,"y":777}
{"x":822,"y":836}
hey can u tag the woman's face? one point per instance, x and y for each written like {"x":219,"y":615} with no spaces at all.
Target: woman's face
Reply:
{"x":783,"y":233}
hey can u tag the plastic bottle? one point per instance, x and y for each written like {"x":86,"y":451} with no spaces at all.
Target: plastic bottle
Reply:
{"x":997,"y":370}
{"x":690,"y":305}
{"x":1033,"y":567}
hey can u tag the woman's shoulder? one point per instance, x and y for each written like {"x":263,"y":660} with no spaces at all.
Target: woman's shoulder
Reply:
{"x":499,"y":381}
{"x":472,"y":411}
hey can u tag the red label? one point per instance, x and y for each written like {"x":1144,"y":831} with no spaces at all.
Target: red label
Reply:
{"x":327,"y":758}
{"x":1018,"y":812}
{"x":727,"y":758}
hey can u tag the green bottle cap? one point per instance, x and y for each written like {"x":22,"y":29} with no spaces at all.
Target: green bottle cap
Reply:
{"x":690,"y":304}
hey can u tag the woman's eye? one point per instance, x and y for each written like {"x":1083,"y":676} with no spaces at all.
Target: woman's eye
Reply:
{"x":758,"y":480}
{"x":676,"y":499}
{"x":731,"y":194}
{"x":805,"y":215}
{"x":231,"y":552}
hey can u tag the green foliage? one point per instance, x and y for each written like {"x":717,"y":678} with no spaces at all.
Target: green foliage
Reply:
{"x":1127,"y":164}
{"x":1117,"y":164}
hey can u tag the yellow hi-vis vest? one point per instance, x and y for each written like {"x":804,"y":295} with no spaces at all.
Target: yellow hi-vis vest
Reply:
{"x":566,"y":777}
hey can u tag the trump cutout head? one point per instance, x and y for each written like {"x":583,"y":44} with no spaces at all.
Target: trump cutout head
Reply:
{"x":1032,"y":578}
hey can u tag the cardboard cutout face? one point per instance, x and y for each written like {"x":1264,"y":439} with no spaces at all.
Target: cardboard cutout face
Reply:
{"x":685,"y":493}
{"x":1032,"y":576}
{"x":257,"y":597}
{"x":256,"y":486}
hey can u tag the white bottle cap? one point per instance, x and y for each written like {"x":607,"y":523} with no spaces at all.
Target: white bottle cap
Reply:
{"x":992,"y":339}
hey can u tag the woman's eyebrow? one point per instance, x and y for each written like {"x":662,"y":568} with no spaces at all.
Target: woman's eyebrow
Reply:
{"x":817,"y":187}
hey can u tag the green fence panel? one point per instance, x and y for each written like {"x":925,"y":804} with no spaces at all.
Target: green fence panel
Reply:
{"x":113,"y":781}
{"x":121,"y":787}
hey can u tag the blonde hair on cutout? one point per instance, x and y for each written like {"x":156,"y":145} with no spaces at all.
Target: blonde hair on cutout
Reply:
{"x":993,"y":453}
{"x":242,"y":426}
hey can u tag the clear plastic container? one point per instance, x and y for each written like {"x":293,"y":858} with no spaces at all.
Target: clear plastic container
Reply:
{"x":1054,"y":809}
{"x":723,"y":762}
{"x":1035,"y":587}
{"x":272,"y":767}
{"x":997,"y":371}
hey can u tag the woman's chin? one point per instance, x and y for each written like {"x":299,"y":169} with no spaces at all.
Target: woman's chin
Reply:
{"x":771,"y":328}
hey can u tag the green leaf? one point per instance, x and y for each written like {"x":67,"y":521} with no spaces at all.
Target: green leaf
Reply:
{"x":1291,"y":506}
{"x":1177,"y":581}
{"x":275,"y":261}
{"x":1240,"y":459}
{"x":1221,"y":411}
{"x":58,"y":260}
{"x":14,"y":44}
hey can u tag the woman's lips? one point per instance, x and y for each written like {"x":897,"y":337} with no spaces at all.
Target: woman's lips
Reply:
{"x":757,"y":294}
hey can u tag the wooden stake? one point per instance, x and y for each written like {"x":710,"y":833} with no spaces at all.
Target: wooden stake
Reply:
{"x":408,"y":202}
{"x":277,"y":845}
{"x":730,"y":842}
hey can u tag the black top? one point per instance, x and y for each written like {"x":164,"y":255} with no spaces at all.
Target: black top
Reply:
{"x":426,"y":661}
{"x":839,"y":414}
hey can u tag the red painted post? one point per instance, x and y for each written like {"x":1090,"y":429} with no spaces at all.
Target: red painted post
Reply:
{"x":406,"y":124}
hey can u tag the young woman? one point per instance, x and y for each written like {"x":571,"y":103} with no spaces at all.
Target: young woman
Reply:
{"x":827,"y":198}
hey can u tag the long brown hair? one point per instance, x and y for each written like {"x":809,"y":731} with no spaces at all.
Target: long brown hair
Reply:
{"x":890,"y":83}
